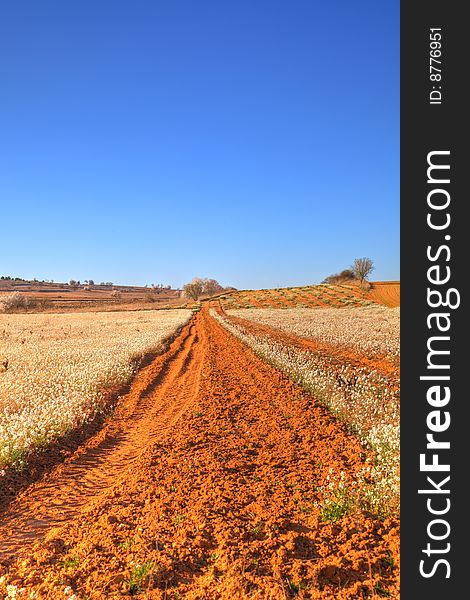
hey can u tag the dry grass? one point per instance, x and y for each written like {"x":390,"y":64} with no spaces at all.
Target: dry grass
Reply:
{"x":374,"y":330}
{"x":54,"y":369}
{"x":369,"y":405}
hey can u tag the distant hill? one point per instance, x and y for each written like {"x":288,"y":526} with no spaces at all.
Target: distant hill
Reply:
{"x":386,"y":293}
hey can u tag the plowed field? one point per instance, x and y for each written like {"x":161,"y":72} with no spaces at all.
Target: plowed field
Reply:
{"x":315,"y":296}
{"x":386,"y":293}
{"x":211,"y":480}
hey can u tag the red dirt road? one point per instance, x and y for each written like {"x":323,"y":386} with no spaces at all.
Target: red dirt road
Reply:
{"x":160,"y":393}
{"x":207,"y":482}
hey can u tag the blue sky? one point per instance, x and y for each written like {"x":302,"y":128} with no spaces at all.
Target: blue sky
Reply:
{"x":252,"y":141}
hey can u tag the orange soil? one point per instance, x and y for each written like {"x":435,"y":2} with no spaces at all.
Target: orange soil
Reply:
{"x":212,"y":468}
{"x":386,"y":292}
{"x":381,"y":292}
{"x":59,"y":297}
{"x":313,"y":296}
{"x":336,"y":354}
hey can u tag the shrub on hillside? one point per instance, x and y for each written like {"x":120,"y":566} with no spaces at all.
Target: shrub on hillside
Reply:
{"x":198,"y":287}
{"x":13,"y":301}
{"x":344,"y":276}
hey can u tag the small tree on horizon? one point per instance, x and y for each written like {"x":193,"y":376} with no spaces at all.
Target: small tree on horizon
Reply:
{"x":198,"y":287}
{"x":212,"y":287}
{"x":362,"y":268}
{"x":194,"y":289}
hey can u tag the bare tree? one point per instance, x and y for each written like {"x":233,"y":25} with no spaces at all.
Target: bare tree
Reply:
{"x":194,"y":289}
{"x":198,"y":287}
{"x":362,"y":268}
{"x":212,"y":287}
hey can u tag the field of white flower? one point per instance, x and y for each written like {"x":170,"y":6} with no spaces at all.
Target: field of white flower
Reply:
{"x":54,"y":369}
{"x":368,"y":401}
{"x":374,"y":330}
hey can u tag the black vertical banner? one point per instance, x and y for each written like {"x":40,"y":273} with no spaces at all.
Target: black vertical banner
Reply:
{"x":434,"y":249}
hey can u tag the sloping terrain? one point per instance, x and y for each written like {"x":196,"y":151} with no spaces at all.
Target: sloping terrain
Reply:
{"x":315,"y":296}
{"x":61,"y":297}
{"x":386,"y":293}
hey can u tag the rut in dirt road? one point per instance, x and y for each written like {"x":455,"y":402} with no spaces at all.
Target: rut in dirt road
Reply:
{"x":161,"y":392}
{"x":227,"y":503}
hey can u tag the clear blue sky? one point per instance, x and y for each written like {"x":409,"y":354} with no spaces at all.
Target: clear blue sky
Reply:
{"x":253,"y":141}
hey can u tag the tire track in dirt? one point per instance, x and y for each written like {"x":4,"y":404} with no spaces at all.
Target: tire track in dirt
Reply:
{"x":159,"y":395}
{"x":336,"y":354}
{"x":223,"y":503}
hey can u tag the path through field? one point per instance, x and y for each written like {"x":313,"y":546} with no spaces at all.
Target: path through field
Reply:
{"x":161,"y":393}
{"x":211,"y":473}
